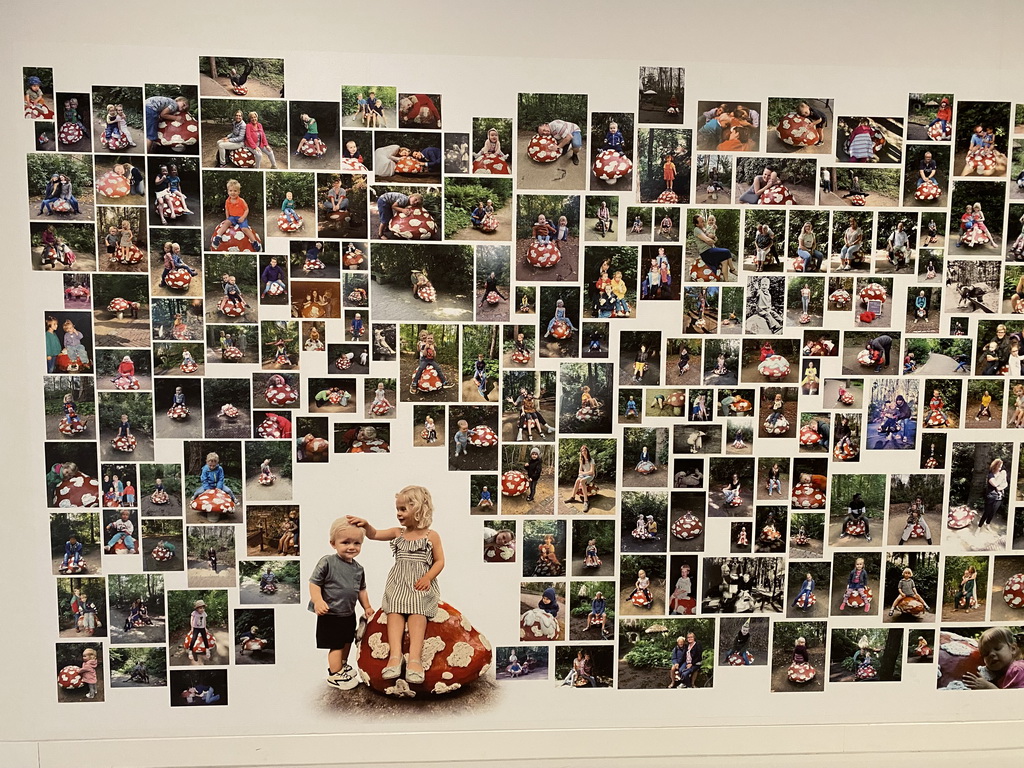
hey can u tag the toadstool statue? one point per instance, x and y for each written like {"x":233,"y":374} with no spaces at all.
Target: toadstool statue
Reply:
{"x":234,"y":240}
{"x":700,"y":272}
{"x":429,"y":380}
{"x":243,"y":157}
{"x":840,"y":297}
{"x":561,"y":330}
{"x":70,"y":133}
{"x":124,"y":443}
{"x":231,"y":354}
{"x":668,"y":197}
{"x":77,"y":490}
{"x":957,"y":656}
{"x":119,"y":306}
{"x":539,"y":625}
{"x":352,"y":259}
{"x":112,"y":184}
{"x":315,"y":448}
{"x":960,"y":516}
{"x":213,"y":500}
{"x":777,"y":195}
{"x":455,"y":654}
{"x":610,"y":166}
{"x":179,"y":279}
{"x":521,"y":357}
{"x":805,"y":601}
{"x":779,"y":427}
{"x":482,"y":436}
{"x":492,"y":165}
{"x":543,"y":149}
{"x":314,"y":148}
{"x":514,"y":483}
{"x":159,"y":497}
{"x":200,"y":646}
{"x":800,"y":673}
{"x":687,"y":527}
{"x":808,"y":496}
{"x":935,"y":132}
{"x":543,"y":255}
{"x":70,"y":678}
{"x":178,"y":132}
{"x":351,"y":165}
{"x":1013,"y":591}
{"x":928,"y":192}
{"x":279,"y":392}
{"x":774,"y":367}
{"x":797,"y":131}
{"x":414,"y":224}
{"x":189,"y":366}
{"x":178,"y":412}
{"x":287,"y":225}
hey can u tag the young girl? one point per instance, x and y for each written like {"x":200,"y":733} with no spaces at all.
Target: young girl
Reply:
{"x":89,"y":663}
{"x":73,"y":346}
{"x":411,"y":593}
{"x":731,"y":491}
{"x":668,"y":172}
{"x":806,"y":592}
{"x":810,"y":380}
{"x":1003,"y":665}
{"x":562,"y":231}
{"x":491,"y":146}
{"x":289,"y":534}
{"x":907,"y":590}
{"x":590,"y":557}
{"x":738,"y":441}
{"x":720,"y":368}
{"x":857,"y":584}
{"x":985,"y":406}
{"x":288,"y":208}
{"x":380,"y":405}
{"x":641,"y":595}
{"x":699,"y":411}
{"x":966,"y":595}
{"x":645,"y":464}
{"x":638,"y":225}
{"x":774,"y":479}
{"x":429,"y":430}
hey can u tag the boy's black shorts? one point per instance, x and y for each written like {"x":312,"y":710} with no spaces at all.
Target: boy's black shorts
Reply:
{"x":334,"y":632}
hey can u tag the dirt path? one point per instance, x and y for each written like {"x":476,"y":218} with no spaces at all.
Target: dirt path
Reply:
{"x":503,"y":233}
{"x":171,"y":509}
{"x":53,"y":433}
{"x":167,"y":428}
{"x":249,"y":594}
{"x":129,"y":332}
{"x":607,"y":568}
{"x":143,"y":448}
{"x":266,"y":656}
{"x":201,"y":575}
{"x":601,"y":503}
{"x":578,"y":629}
{"x":657,"y":608}
{"x":813,"y":550}
{"x":633,"y":479}
{"x":817,"y":611}
{"x":220,"y":655}
{"x":874,"y":200}
{"x":561,"y":174}
{"x":542,"y":504}
{"x":992,"y":538}
{"x":281,"y":490}
{"x":239,"y":427}
{"x":394,"y":302}
{"x":91,"y":555}
{"x":942,"y":365}
{"x":492,"y":313}
{"x":471,"y":393}
{"x":124,"y":681}
{"x":221,"y":86}
{"x":780,"y":679}
{"x":155,"y":633}
{"x":86,"y":210}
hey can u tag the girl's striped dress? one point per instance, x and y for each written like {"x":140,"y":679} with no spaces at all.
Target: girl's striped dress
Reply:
{"x":412,"y":560}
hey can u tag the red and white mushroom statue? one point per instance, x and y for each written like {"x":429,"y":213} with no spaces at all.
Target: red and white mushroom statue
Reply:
{"x":269,"y":429}
{"x":160,"y":497}
{"x":928,"y":192}
{"x":200,"y":646}
{"x":178,"y":132}
{"x":736,"y":658}
{"x":61,"y":206}
{"x":957,"y":656}
{"x":315,"y":448}
{"x":493,"y":298}
{"x":351,"y":165}
{"x":112,"y":184}
{"x":910,"y":605}
{"x":935,"y":132}
{"x":807,"y":496}
{"x":119,"y":306}
{"x":774,"y":367}
{"x":289,"y":225}
{"x":429,"y":380}
{"x":845,"y":453}
{"x":702,"y":273}
{"x":806,"y":600}
{"x":777,"y":195}
{"x":797,"y":131}
{"x":537,"y":624}
{"x":314,"y":148}
{"x":70,"y":678}
{"x":667,"y":197}
{"x":229,"y":411}
{"x":231,"y":354}
{"x":243,"y":157}
{"x":610,"y":166}
{"x":864,"y":358}
{"x":840,"y":297}
{"x":352,"y":259}
{"x":178,"y":412}
{"x":741,"y":405}
{"x":561,"y":330}
{"x":77,"y":490}
{"x":126,"y":383}
{"x":455,"y":654}
{"x":426,"y":292}
{"x":267,"y":479}
{"x":855,"y":528}
{"x":543,"y":149}
{"x":414,"y":224}
{"x":38,"y":111}
{"x":520,"y":356}
{"x":232,"y":309}
{"x":380,"y":409}
{"x":858,"y":200}
{"x":986,"y":162}
{"x":70,"y":133}
{"x":233,"y":240}
{"x":179,"y":279}
{"x":514,"y":483}
{"x":124,"y":443}
{"x":213,"y":500}
{"x":489,"y":224}
{"x":409,"y":165}
{"x":543,"y":255}
{"x":491,"y":165}
{"x":857,"y":600}
{"x":370,"y":445}
{"x":75,"y":427}
{"x":189,"y":366}
{"x":1013,"y":591}
{"x":280,"y":393}
{"x":800,"y":673}
{"x":344,"y":362}
{"x":960,"y":516}
{"x":482,"y":436}
{"x":809,"y":435}
{"x":115,"y":143}
{"x":80,"y":567}
{"x":687,"y":527}
{"x":779,"y":427}
{"x":131,"y":254}
{"x":170,"y":206}
{"x":873,"y":292}
{"x":866,"y":673}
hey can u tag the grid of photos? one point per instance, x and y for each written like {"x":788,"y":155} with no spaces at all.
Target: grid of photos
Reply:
{"x":656,"y":346}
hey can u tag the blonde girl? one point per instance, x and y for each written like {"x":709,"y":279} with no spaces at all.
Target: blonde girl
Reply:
{"x":1003,"y":665}
{"x":411,"y":593}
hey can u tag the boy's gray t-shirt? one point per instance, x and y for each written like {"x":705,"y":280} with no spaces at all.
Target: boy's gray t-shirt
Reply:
{"x":340,"y":583}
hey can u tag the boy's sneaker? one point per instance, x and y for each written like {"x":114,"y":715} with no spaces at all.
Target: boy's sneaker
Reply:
{"x":216,"y":240}
{"x":345,"y":679}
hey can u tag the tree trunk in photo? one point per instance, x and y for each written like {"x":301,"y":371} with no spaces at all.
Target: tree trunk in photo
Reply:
{"x":890,"y":654}
{"x":213,"y":67}
{"x":493,"y":343}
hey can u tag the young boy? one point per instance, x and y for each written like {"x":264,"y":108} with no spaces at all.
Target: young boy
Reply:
{"x":197,"y":623}
{"x":461,"y":438}
{"x":337,"y":583}
{"x":236,"y":211}
{"x":72,"y":552}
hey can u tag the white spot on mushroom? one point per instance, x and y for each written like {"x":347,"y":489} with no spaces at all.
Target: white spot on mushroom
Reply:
{"x":400,"y":689}
{"x":522,"y":633}
{"x":466,"y":625}
{"x":461,"y":655}
{"x":484,"y":641}
{"x":447,"y":676}
{"x":441,"y":616}
{"x":364,"y":676}
{"x":484,"y":670}
{"x":440,"y":687}
{"x":958,"y":648}
{"x":378,"y":648}
{"x":431,"y":646}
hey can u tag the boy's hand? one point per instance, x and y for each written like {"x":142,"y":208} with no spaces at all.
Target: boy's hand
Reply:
{"x":320,"y":608}
{"x":422,"y":584}
{"x":368,"y":612}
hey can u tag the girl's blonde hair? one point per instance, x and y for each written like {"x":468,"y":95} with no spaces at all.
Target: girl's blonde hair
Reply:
{"x":907,"y":572}
{"x":89,"y":652}
{"x":1001,"y":635}
{"x":419,"y":496}
{"x":801,"y":641}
